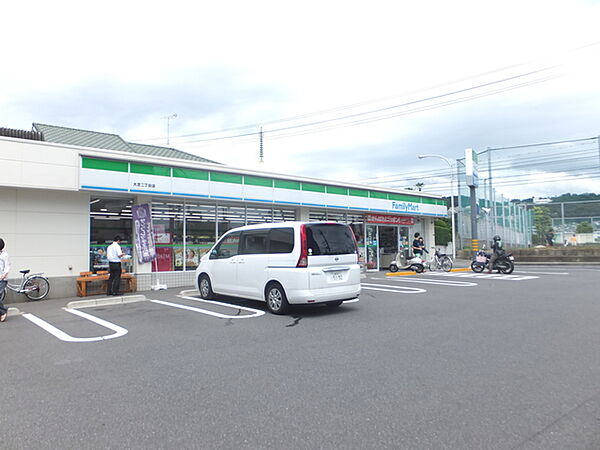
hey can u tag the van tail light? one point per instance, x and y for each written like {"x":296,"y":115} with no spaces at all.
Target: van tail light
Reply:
{"x":303,"y":260}
{"x":355,"y":244}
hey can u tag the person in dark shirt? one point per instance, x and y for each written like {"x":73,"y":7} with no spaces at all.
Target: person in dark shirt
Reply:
{"x":496,"y":251}
{"x":550,"y":237}
{"x":416,"y":246}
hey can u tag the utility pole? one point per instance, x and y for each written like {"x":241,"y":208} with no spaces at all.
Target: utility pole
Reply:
{"x":472,"y":177}
{"x":260,"y":153}
{"x":168,"y":118}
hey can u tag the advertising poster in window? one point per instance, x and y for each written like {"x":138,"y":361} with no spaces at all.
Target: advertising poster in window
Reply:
{"x":164,"y":250}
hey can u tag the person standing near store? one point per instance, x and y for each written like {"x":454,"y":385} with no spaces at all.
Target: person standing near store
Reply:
{"x":4,"y":269}
{"x":114,"y":255}
{"x":416,"y":246}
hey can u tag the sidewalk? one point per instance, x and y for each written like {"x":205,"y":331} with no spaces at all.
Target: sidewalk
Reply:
{"x":93,"y":300}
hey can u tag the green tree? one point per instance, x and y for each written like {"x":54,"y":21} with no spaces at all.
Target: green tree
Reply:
{"x":542,"y":222}
{"x":443,"y":231}
{"x":584,"y":227}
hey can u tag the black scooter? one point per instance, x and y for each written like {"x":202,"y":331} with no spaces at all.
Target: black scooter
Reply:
{"x":503,"y":264}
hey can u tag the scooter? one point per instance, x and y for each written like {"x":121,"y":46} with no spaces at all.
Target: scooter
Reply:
{"x":416,"y":263}
{"x":503,"y":264}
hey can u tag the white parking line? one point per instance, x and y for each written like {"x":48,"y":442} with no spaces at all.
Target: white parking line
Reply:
{"x":494,"y":276}
{"x":388,"y":288}
{"x":118,"y":331}
{"x":254,"y":312}
{"x":426,"y":281}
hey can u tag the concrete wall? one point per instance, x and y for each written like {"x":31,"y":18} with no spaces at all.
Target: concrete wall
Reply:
{"x":35,"y":164}
{"x":45,"y":230}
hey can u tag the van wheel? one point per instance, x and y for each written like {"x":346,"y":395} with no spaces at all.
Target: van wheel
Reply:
{"x":205,"y":287}
{"x":276,"y":299}
{"x":335,"y":304}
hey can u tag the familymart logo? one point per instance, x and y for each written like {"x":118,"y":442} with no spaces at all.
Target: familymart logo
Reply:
{"x":405,"y":206}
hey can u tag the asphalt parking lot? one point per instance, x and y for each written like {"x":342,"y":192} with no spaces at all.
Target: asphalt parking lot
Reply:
{"x":434,"y":360}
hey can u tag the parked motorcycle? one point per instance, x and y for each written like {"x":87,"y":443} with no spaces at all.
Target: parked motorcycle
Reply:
{"x":503,"y":264}
{"x":415,"y":263}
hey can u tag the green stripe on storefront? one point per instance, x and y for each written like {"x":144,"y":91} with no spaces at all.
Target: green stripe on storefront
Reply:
{"x":148,"y":169}
{"x":225,"y":177}
{"x":313,"y":187}
{"x":375,"y":194}
{"x":337,"y":190}
{"x":104,"y":164}
{"x":358,"y":192}
{"x":190,"y":173}
{"x":404,"y":198}
{"x":285,"y":184}
{"x":258,"y":181}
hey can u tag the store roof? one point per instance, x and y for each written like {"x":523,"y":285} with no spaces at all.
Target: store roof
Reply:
{"x":108,"y":141}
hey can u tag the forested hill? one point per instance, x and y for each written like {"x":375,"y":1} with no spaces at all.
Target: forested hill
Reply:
{"x":575,"y":205}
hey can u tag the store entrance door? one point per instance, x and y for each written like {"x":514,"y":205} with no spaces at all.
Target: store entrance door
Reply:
{"x":388,"y":245}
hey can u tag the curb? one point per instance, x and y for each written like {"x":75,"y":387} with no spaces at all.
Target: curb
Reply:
{"x":106,"y":301}
{"x":403,"y":274}
{"x":13,"y":312}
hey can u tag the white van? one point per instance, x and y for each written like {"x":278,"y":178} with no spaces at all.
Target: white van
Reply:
{"x":283,"y":263}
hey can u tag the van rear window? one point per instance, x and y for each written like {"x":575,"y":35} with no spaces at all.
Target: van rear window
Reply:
{"x":329,"y":239}
{"x":281,"y":240}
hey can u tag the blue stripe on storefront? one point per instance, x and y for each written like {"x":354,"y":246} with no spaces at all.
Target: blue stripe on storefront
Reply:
{"x":227,"y":198}
{"x":258,"y":200}
{"x":288,"y":203}
{"x":149,"y":192}
{"x":103,"y":188}
{"x":192,"y":195}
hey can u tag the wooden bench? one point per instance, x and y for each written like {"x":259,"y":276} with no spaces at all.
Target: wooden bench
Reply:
{"x":95,"y":284}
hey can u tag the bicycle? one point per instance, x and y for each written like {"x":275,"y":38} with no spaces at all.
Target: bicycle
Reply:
{"x":440,"y":261}
{"x":35,"y":286}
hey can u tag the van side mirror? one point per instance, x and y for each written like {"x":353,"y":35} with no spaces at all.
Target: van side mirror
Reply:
{"x":213,"y":254}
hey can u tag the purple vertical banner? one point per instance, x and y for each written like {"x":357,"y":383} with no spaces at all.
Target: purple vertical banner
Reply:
{"x":144,"y":237}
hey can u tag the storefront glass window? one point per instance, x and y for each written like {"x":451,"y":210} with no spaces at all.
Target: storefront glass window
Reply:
{"x":317,"y":215}
{"x":200,"y":232}
{"x":167,"y":218}
{"x":283,"y":215}
{"x":258,"y":215}
{"x":230,"y":217}
{"x":109,"y":217}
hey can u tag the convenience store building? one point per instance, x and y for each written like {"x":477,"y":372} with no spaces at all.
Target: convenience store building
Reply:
{"x":65,"y":193}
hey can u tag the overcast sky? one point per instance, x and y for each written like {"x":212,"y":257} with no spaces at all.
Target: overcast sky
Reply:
{"x":380,"y":81}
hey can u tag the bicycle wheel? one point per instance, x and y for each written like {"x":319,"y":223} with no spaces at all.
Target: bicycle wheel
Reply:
{"x":446,"y":263}
{"x":434,"y":264}
{"x":36,"y":288}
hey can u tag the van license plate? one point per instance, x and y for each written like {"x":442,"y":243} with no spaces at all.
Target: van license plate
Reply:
{"x":337,"y":276}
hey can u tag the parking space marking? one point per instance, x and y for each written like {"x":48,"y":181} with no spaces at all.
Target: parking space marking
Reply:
{"x":438,"y":282}
{"x":494,"y":276}
{"x":254,"y":312}
{"x":389,"y":288}
{"x":118,"y":331}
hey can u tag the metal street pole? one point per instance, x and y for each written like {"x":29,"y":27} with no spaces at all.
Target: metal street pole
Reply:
{"x":168,"y":118}
{"x":451,"y":198}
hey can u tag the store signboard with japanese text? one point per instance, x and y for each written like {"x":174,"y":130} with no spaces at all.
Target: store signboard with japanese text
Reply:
{"x":387,"y":219}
